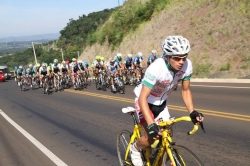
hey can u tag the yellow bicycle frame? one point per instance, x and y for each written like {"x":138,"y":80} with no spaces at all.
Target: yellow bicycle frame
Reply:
{"x":136,"y":135}
{"x":165,"y":144}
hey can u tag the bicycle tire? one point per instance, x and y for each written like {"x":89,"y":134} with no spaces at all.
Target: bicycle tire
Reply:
{"x":21,"y":85}
{"x":122,"y":142}
{"x":182,"y":156}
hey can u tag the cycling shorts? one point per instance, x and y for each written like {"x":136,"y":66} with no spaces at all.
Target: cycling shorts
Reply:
{"x":157,"y":112}
{"x":128,"y":67}
{"x":44,"y":73}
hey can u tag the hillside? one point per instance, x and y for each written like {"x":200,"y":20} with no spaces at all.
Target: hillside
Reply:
{"x":218,"y":31}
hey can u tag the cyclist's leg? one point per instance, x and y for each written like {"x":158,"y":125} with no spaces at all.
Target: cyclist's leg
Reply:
{"x":112,"y":81}
{"x":142,"y":143}
{"x":54,"y":79}
{"x":73,"y":79}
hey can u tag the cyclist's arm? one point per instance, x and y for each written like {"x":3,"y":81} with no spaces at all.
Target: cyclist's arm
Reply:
{"x":187,"y":95}
{"x":143,"y":103}
{"x":79,"y":67}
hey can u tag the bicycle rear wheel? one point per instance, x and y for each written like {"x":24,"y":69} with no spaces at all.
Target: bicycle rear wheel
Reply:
{"x":182,"y":156}
{"x":122,"y":142}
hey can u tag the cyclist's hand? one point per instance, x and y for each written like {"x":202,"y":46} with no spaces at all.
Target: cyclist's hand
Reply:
{"x":196,"y":117}
{"x":154,"y":130}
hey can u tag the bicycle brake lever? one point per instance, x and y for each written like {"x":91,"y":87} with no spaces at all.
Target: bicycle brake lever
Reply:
{"x":201,"y":123}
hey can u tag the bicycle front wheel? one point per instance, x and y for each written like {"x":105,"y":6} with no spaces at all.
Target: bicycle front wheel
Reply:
{"x":122,"y":142}
{"x":182,"y":156}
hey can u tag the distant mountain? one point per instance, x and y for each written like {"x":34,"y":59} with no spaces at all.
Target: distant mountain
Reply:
{"x":52,"y":36}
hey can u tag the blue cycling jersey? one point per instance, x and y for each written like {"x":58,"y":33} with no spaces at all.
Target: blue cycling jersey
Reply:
{"x":137,"y":59}
{"x":151,"y":58}
{"x":113,"y":67}
{"x":129,"y":61}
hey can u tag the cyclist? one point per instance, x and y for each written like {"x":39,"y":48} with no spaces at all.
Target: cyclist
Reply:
{"x":160,"y":79}
{"x":55,"y":67}
{"x":112,"y":68}
{"x":129,"y":65}
{"x":82,"y":70}
{"x":74,"y":71}
{"x":30,"y":73}
{"x":43,"y":71}
{"x":64,"y":67}
{"x":36,"y":75}
{"x":138,"y":66}
{"x":152,"y":57}
{"x":118,"y":59}
{"x":15,"y":70}
{"x":20,"y":73}
{"x":99,"y":67}
{"x":129,"y":62}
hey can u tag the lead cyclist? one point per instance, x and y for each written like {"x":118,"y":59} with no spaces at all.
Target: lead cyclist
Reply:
{"x":160,"y":79}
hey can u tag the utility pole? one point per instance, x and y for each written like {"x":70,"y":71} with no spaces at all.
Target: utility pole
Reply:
{"x":34,"y":52}
{"x":78,"y":54}
{"x":62,"y":55}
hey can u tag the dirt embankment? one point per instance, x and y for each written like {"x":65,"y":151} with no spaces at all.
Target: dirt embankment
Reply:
{"x":219,"y":34}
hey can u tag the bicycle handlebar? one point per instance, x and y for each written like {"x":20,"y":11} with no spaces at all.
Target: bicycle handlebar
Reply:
{"x":183,"y":118}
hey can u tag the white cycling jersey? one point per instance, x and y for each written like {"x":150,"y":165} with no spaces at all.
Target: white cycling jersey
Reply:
{"x":161,"y":80}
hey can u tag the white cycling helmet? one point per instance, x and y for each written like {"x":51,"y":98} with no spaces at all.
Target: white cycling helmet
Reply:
{"x":139,"y":54}
{"x":130,"y":55}
{"x":30,"y":65}
{"x":153,"y":51}
{"x":20,"y":67}
{"x":175,"y":45}
{"x":43,"y":65}
{"x":119,"y":54}
{"x":55,"y":61}
{"x":79,"y":61}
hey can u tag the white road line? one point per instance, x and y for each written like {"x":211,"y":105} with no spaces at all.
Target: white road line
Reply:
{"x":46,"y":151}
{"x":222,"y":86}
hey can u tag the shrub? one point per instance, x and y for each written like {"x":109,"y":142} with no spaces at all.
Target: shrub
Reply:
{"x":225,"y":66}
{"x":201,"y":68}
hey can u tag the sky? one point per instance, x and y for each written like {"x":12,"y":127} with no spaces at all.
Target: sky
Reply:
{"x":36,"y":17}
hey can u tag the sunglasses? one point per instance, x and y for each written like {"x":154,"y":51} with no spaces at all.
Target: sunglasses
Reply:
{"x":178,"y":58}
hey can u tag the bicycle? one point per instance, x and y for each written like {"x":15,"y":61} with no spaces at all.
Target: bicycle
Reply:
{"x":101,"y":81}
{"x":23,"y":84}
{"x":162,"y":152}
{"x":119,"y":84}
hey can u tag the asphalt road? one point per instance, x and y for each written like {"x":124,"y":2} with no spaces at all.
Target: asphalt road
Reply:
{"x":80,"y":127}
